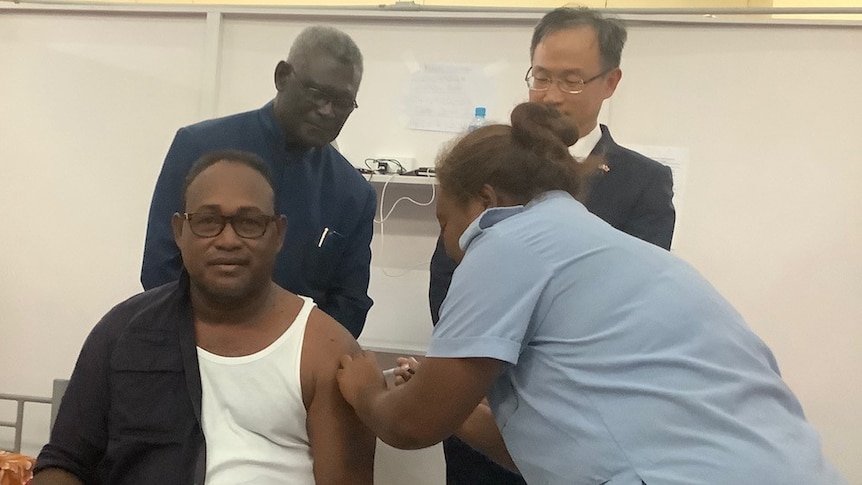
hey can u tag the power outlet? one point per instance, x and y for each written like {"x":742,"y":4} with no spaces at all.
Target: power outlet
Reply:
{"x":395,"y":165}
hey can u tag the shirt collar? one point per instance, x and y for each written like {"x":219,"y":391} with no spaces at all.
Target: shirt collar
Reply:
{"x":585,"y":145}
{"x":485,"y":220}
{"x":496,"y":214}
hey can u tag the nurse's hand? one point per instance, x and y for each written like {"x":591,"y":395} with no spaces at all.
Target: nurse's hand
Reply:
{"x":407,"y":366}
{"x":359,"y":372}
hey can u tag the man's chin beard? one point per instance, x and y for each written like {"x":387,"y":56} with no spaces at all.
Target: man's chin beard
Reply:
{"x":226,"y":297}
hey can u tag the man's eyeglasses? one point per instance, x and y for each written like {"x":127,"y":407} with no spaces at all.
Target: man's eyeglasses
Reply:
{"x":249,"y":226}
{"x":567,"y":85}
{"x":320,"y":98}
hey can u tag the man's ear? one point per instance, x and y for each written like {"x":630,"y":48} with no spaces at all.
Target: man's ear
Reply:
{"x":282,"y":71}
{"x":177,"y":227}
{"x":611,"y":81}
{"x":281,"y":229}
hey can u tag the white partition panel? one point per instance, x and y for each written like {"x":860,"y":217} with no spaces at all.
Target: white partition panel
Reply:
{"x":87,"y":105}
{"x":773,"y":213}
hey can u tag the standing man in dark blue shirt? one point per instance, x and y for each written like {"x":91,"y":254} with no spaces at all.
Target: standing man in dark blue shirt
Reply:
{"x":574,"y":67}
{"x":329,"y":206}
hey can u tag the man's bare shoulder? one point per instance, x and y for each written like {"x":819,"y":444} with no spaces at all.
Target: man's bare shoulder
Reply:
{"x":322,"y":332}
{"x":342,"y":447}
{"x":326,"y":341}
{"x":328,"y":334}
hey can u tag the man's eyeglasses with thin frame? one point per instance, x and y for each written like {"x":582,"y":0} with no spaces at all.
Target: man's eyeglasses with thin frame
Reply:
{"x":566,"y":85}
{"x":248,"y":226}
{"x":320,"y":98}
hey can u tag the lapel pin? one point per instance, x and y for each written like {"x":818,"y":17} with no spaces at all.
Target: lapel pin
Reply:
{"x":604,"y":168}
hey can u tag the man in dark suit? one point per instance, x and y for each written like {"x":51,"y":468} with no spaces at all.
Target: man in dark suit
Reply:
{"x":575,"y":66}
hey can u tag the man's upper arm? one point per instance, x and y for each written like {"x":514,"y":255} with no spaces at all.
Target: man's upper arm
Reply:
{"x":348,"y":301}
{"x":653,"y":216}
{"x":80,"y":435}
{"x":341,"y":446}
{"x":55,"y":476}
{"x":162,"y":263}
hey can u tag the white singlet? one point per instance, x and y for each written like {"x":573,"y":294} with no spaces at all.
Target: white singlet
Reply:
{"x":253,"y":417}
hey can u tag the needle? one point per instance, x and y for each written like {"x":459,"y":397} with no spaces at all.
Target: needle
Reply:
{"x":389,"y":372}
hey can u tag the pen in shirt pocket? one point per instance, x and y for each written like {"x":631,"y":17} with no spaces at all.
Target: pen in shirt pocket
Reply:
{"x":327,"y":234}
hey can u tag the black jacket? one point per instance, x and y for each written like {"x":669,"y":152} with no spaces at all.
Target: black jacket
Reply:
{"x":131,"y":413}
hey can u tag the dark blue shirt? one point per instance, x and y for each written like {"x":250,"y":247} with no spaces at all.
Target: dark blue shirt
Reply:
{"x":317,"y":189}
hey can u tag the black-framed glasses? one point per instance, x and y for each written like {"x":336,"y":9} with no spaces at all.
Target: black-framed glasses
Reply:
{"x":566,"y":85}
{"x":320,"y":98}
{"x":208,"y":224}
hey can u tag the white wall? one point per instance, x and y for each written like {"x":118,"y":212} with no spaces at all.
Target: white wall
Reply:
{"x":89,"y":103}
{"x":772,"y":214}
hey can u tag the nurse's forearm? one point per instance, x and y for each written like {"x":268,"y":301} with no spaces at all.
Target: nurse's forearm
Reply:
{"x":481,"y":432}
{"x":398,"y":420}
{"x":427,"y":409}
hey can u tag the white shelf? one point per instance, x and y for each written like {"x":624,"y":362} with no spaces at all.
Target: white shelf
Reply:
{"x":392,"y":349}
{"x":401,"y":179}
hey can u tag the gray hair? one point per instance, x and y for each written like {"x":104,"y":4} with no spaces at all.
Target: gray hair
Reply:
{"x":332,"y":41}
{"x":611,"y":33}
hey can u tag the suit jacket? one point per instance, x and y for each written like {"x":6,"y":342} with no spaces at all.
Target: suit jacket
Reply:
{"x":633,"y":195}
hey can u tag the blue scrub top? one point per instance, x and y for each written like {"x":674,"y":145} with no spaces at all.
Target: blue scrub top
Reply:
{"x":625,"y":364}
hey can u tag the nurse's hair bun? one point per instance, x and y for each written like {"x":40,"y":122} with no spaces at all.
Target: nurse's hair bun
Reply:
{"x":543,"y":130}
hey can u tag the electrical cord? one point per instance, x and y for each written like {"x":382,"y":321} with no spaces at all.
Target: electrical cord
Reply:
{"x":384,"y":218}
{"x":397,"y":201}
{"x":372,"y":168}
{"x":382,"y":165}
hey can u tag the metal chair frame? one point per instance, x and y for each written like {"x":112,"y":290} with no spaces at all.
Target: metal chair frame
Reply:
{"x":19,"y":419}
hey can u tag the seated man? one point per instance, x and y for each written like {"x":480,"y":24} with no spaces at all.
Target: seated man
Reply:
{"x":222,"y":377}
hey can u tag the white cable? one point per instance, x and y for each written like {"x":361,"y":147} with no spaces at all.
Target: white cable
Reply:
{"x":392,"y":209}
{"x":388,"y":214}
